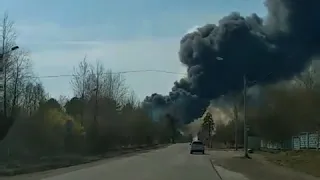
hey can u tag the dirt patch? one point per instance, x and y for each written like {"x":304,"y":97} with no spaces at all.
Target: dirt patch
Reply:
{"x":229,"y":175}
{"x":307,"y":161}
{"x":256,"y":168}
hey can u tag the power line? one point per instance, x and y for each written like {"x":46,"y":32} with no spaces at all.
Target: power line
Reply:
{"x":119,"y":72}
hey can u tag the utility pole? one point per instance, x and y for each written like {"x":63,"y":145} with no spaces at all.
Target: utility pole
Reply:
{"x":235,"y":112}
{"x":245,"y":129}
{"x":209,"y":133}
{"x":318,"y":136}
{"x":173,"y":130}
{"x":96,"y":101}
{"x":94,"y":127}
{"x":82,"y":108}
{"x":171,"y":120}
{"x":82,"y":117}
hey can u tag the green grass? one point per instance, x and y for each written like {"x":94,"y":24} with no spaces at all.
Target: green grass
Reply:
{"x":307,"y":161}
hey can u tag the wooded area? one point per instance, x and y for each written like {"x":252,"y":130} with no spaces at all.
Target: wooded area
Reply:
{"x":103,"y":115}
{"x":282,"y":110}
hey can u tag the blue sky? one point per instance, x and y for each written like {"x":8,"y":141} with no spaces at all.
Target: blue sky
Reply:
{"x":123,"y":34}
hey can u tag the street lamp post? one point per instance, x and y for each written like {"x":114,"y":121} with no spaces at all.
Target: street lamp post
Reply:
{"x":245,"y":126}
{"x":3,"y":72}
{"x":7,"y":52}
{"x":2,"y":57}
{"x":95,"y":105}
{"x":245,"y":129}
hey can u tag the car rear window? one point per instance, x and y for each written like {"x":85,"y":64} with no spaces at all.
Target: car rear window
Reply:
{"x":197,"y":143}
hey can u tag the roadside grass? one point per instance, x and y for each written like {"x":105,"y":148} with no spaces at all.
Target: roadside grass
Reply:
{"x":307,"y":161}
{"x":15,"y":167}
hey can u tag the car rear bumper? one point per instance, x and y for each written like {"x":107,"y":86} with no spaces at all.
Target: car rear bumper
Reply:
{"x":197,"y":150}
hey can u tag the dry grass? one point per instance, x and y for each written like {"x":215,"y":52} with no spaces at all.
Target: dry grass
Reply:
{"x":307,"y":161}
{"x":47,"y":163}
{"x":257,"y":168}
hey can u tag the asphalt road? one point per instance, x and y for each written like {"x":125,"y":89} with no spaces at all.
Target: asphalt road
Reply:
{"x":171,"y":163}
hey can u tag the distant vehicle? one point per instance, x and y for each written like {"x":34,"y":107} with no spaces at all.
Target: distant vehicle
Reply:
{"x":197,"y":146}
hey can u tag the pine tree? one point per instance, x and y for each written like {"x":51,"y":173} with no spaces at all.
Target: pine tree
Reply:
{"x":208,"y":125}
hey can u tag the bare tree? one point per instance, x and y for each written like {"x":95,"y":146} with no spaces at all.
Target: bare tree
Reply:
{"x":20,"y":71}
{"x":33,"y":95}
{"x":27,"y":99}
{"x":8,"y":37}
{"x":63,"y":100}
{"x":99,"y":70}
{"x":80,"y":77}
{"x":307,"y":79}
{"x":80,"y":84}
{"x":39,"y":95}
{"x":132,"y":99}
{"x":106,"y":83}
{"x":236,"y":99}
{"x":114,"y":86}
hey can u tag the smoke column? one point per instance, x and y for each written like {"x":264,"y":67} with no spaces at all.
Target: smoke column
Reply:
{"x":282,"y":44}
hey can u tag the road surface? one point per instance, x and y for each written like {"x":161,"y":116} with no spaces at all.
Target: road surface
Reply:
{"x":171,"y":163}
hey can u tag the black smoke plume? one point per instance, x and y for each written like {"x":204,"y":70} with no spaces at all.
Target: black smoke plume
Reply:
{"x":281,"y":44}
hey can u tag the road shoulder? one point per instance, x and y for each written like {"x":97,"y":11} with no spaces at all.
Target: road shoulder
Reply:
{"x":254,"y":169}
{"x":307,"y":161}
{"x":52,"y":172}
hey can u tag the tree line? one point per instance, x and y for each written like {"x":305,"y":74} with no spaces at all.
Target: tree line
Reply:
{"x":103,"y":115}
{"x":282,"y":110}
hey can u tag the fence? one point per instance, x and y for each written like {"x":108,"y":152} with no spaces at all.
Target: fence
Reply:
{"x":304,"y":140}
{"x":276,"y":145}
